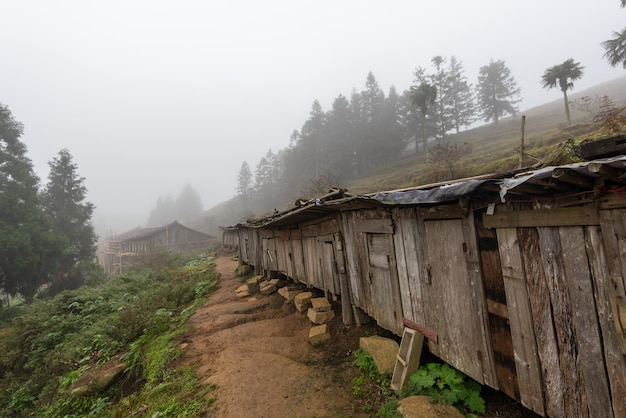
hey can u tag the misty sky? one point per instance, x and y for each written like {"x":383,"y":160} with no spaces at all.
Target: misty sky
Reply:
{"x":151,"y":95}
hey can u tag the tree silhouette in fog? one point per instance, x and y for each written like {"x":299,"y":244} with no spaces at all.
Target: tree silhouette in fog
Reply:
{"x":497,"y":92}
{"x":563,"y":76}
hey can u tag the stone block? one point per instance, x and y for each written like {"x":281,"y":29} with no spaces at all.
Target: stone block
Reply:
{"x":267,"y":288}
{"x":321,"y":305}
{"x":320,"y":317}
{"x":319,"y":335}
{"x":302,"y":301}
{"x":253,"y":283}
{"x":383,"y":352}
{"x":422,"y":407}
{"x":242,"y":291}
{"x":290,"y":292}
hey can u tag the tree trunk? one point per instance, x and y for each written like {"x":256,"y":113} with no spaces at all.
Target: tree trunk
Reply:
{"x":569,"y":120}
{"x":424,"y":135}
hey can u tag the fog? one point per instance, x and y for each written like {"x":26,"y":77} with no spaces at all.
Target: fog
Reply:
{"x":151,"y":95}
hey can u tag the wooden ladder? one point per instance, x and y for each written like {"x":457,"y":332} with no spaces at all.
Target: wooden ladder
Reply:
{"x":408,"y":358}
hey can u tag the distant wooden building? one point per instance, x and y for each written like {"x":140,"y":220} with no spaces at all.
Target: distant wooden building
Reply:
{"x":518,"y":281}
{"x":117,"y":250}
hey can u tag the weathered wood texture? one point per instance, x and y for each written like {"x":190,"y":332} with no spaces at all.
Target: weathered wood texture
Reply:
{"x":553,"y":384}
{"x":455,"y":317}
{"x":497,"y":309}
{"x":115,"y":252}
{"x":531,"y":307}
{"x":615,"y":359}
{"x":520,"y":320}
{"x":230,"y":237}
{"x":371,"y":266}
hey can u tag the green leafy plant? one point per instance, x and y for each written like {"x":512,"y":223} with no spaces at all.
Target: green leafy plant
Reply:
{"x":389,"y":410}
{"x":442,"y":383}
{"x":370,"y":383}
{"x":47,"y":344}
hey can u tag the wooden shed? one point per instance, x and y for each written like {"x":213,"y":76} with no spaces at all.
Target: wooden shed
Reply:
{"x":517,"y":281}
{"x":114,"y":251}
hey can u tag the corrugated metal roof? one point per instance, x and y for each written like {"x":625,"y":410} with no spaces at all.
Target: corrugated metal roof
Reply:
{"x":572,"y":178}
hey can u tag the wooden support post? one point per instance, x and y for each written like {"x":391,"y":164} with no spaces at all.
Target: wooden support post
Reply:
{"x":521,"y":148}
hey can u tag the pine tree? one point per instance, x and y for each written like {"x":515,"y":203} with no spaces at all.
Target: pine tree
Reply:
{"x":423,"y":98}
{"x":163,"y":213}
{"x":442,"y":101}
{"x":462,"y":110}
{"x":244,"y":187}
{"x":64,"y":202}
{"x":497,"y":91}
{"x":371,"y":142}
{"x":29,"y":250}
{"x":339,"y":130}
{"x":188,"y":205}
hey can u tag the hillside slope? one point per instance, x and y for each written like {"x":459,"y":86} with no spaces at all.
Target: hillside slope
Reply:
{"x":492,"y":150}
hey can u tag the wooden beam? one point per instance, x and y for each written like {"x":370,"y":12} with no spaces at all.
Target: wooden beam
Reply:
{"x":570,"y":176}
{"x":571,"y":216}
{"x":497,"y":308}
{"x":608,"y":172}
{"x":417,"y":327}
{"x":441,"y":212}
{"x":612,"y":201}
{"x":375,"y":226}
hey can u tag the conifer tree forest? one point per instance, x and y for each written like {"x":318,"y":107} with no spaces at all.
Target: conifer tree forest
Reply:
{"x":372,"y":128}
{"x":46,"y":237}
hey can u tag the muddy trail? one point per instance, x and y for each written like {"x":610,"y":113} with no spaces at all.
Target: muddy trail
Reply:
{"x":255,"y":352}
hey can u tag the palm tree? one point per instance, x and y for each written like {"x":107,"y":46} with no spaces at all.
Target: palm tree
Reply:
{"x":422,"y":97}
{"x":615,"y":49}
{"x":563,"y":76}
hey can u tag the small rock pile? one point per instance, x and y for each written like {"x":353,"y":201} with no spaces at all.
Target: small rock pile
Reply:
{"x":318,"y":309}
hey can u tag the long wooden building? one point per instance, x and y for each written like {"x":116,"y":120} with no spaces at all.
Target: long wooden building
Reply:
{"x":517,"y":281}
{"x":116,"y":251}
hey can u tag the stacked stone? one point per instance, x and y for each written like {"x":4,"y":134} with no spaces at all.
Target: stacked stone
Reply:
{"x":302,"y":301}
{"x":251,"y":286}
{"x":290,"y":292}
{"x":268,"y":287}
{"x":320,"y":312}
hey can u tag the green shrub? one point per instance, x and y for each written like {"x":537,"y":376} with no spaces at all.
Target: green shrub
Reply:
{"x":48,"y":343}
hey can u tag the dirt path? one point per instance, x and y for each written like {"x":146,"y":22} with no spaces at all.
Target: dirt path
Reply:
{"x":256,"y":354}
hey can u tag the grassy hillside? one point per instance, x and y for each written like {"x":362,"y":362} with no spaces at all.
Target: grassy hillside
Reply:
{"x":492,"y":150}
{"x":59,"y":353}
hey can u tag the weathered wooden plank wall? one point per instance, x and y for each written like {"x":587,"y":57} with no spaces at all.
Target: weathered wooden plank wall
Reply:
{"x":565,"y":344}
{"x":230,"y":237}
{"x":373,"y":277}
{"x":533,"y":310}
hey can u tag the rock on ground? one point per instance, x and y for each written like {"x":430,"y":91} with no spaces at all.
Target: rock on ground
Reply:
{"x":421,"y":407}
{"x":383,"y":352}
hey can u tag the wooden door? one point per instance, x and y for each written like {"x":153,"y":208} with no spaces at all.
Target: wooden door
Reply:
{"x":328,"y":264}
{"x":386,"y":305}
{"x":454,"y":315}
